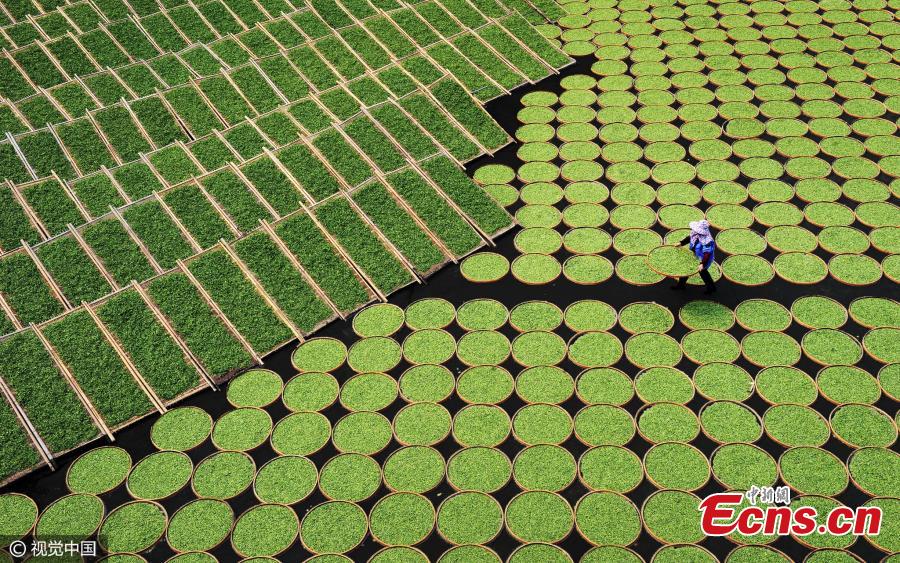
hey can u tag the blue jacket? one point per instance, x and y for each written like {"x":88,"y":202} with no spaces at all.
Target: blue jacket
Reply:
{"x":701,"y":249}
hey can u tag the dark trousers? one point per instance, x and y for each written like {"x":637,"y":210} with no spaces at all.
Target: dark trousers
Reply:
{"x":704,"y":275}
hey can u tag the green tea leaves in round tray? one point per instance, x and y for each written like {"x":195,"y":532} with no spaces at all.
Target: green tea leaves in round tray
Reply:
{"x":223,"y":475}
{"x":485,"y":384}
{"x":380,"y":319}
{"x":586,"y":240}
{"x":254,"y":388}
{"x":539,"y":516}
{"x":668,"y":422}
{"x":875,"y":312}
{"x":800,"y":267}
{"x":484,"y":267}
{"x":813,"y":471}
{"x":604,"y":425}
{"x":422,"y":424}
{"x":796,"y":425}
{"x":538,"y":348}
{"x":740,"y":466}
{"x":703,"y":314}
{"x":376,"y":353}
{"x":285,"y":480}
{"x":863,"y":425}
{"x":587,"y":269}
{"x":494,"y":174}
{"x":646,"y":317}
{"x":672,"y":516}
{"x":429,"y":346}
{"x":607,"y":518}
{"x":371,"y":391}
{"x":481,"y":425}
{"x":828,"y":346}
{"x":181,"y":429}
{"x":769,"y":348}
{"x":723,"y":382}
{"x":658,"y":384}
{"x":75,"y":516}
{"x":653,"y":349}
{"x":133,"y":527}
{"x":536,"y":269}
{"x":242,"y":429}
{"x":729,"y":422}
{"x":430,"y":313}
{"x":634,"y":270}
{"x":310,"y":391}
{"x":705,"y":346}
{"x":539,"y":240}
{"x":402,"y":519}
{"x":677,"y":466}
{"x":868,"y":466}
{"x":848,"y":384}
{"x":544,"y":467}
{"x":595,"y":349}
{"x":94,"y":472}
{"x":200,"y":525}
{"x":20,"y":512}
{"x":159,"y":475}
{"x":762,"y":314}
{"x":482,"y":347}
{"x":590,"y":315}
{"x":469,"y":518}
{"x":818,"y":311}
{"x":414,"y":469}
{"x":535,"y":315}
{"x":542,"y":424}
{"x":319,"y":354}
{"x":482,"y":314}
{"x":361,"y":432}
{"x":333,"y":527}
{"x":881,"y":344}
{"x":747,"y":269}
{"x":610,"y":468}
{"x":855,"y":269}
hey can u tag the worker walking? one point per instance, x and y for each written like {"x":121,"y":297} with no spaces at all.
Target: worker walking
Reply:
{"x":704,"y":246}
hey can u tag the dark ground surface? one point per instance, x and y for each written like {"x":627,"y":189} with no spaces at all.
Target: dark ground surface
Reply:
{"x":45,"y":486}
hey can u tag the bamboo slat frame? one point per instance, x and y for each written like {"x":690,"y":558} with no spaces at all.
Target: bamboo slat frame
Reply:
{"x":182,"y":124}
{"x":358,"y":22}
{"x":30,"y":214}
{"x":92,"y":412}
{"x":51,"y":282}
{"x":203,"y":381}
{"x":173,"y":334}
{"x":95,"y":260}
{"x":32,"y":433}
{"x":143,"y":131}
{"x":401,"y":202}
{"x":136,"y":239}
{"x":126,"y":360}
{"x":279,"y":313}
{"x":106,"y":142}
{"x":270,"y":301}
{"x":287,"y":18}
{"x":10,"y":314}
{"x":380,"y":178}
{"x":219,"y":137}
{"x":343,"y":254}
{"x":185,"y":233}
{"x":218,"y":311}
{"x":282,"y":246}
{"x":21,"y":155}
